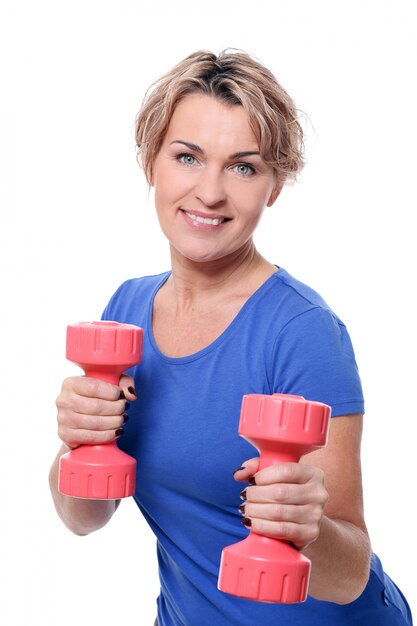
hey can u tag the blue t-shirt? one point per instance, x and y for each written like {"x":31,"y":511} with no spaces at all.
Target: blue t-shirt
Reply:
{"x":183,"y":431}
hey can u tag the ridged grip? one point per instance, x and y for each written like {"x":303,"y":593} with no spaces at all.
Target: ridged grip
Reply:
{"x":104,"y":343}
{"x":284,"y":418}
{"x":250,"y":569}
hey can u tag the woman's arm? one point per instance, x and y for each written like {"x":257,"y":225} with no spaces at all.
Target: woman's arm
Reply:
{"x":341,"y":555}
{"x":318,"y":505}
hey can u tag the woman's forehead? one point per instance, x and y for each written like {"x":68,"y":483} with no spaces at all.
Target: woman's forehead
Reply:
{"x":199,"y":117}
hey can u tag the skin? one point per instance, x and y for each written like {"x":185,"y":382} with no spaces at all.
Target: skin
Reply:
{"x":316,"y":504}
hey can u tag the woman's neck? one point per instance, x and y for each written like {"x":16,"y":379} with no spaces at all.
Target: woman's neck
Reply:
{"x":193,"y":283}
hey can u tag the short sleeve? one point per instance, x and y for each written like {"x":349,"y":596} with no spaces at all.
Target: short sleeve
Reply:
{"x":313,"y":357}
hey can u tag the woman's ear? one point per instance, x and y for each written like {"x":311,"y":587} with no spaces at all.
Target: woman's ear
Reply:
{"x":275,"y":193}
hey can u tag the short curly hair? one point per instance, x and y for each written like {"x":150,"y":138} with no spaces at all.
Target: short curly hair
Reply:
{"x":234,"y":77}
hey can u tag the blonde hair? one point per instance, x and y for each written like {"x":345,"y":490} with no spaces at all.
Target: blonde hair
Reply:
{"x":234,"y":78}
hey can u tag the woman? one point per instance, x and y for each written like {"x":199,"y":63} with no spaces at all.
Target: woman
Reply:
{"x":217,"y":138}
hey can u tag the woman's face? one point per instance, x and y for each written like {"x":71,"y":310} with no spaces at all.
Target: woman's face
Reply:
{"x":211,"y":184}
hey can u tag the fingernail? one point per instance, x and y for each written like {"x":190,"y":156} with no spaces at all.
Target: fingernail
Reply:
{"x":252,"y":481}
{"x":125,"y":418}
{"x":246,"y":521}
{"x":119,"y":432}
{"x":242,"y":508}
{"x":243,"y":494}
{"x":238,"y":469}
{"x":122,"y":395}
{"x":132,"y":390}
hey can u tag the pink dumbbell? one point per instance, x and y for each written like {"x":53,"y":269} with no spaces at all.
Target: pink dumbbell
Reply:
{"x":283,"y":428}
{"x":103,"y":350}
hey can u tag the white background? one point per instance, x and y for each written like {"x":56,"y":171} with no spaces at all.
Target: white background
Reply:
{"x":76,"y":220}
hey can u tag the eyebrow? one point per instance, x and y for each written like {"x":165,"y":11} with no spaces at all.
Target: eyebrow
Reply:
{"x":235,"y":155}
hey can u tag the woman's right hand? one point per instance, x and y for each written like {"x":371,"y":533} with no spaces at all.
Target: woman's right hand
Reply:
{"x":91,"y":411}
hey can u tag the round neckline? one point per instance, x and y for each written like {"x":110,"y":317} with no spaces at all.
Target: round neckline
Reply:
{"x":220,"y":339}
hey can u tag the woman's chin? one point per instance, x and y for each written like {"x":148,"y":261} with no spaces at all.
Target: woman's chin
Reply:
{"x":196,"y":255}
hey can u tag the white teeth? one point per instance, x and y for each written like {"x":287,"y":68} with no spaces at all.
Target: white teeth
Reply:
{"x":206,"y":220}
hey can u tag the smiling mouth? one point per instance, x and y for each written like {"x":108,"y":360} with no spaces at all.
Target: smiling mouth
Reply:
{"x":210,"y":221}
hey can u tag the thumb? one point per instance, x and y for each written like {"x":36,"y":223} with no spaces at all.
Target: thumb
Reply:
{"x":248,"y":469}
{"x":127,"y":385}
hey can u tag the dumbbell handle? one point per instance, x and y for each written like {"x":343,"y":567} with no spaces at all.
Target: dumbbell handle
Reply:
{"x":282,"y":428}
{"x":269,"y":457}
{"x":104,"y":350}
{"x":108,"y":376}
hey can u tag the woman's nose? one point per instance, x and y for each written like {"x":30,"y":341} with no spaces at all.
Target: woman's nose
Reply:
{"x":210,"y":188}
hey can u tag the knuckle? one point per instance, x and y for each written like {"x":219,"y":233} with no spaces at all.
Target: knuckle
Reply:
{"x":96,"y":406}
{"x":316,"y":514}
{"x":288,"y":471}
{"x":320,"y":477}
{"x":319,"y":494}
{"x":67,"y":383}
{"x":284,"y":530}
{"x":277,"y":512}
{"x":319,"y":514}
{"x":92,"y":386}
{"x":321,"y":474}
{"x":94,"y":423}
{"x":90,"y":437}
{"x":304,"y":534}
{"x":310,"y":533}
{"x":63,"y":434}
{"x":322,"y":495}
{"x":61,"y":418}
{"x":61,"y":401}
{"x":280,"y":493}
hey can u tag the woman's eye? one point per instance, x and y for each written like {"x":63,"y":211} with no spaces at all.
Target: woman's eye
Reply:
{"x":245,"y":169}
{"x":187,"y":159}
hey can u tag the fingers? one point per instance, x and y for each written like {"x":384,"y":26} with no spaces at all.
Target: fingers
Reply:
{"x":247,"y":470}
{"x":285,"y":501}
{"x":91,"y":405}
{"x":94,"y":422}
{"x":284,"y":473}
{"x":298,"y":523}
{"x":96,"y":388}
{"x":91,"y":388}
{"x":276,"y":512}
{"x":127,"y":385}
{"x":300,"y":535}
{"x":76,"y":429}
{"x":91,"y":411}
{"x":278,"y":472}
{"x":78,"y":437}
{"x":289,"y":494}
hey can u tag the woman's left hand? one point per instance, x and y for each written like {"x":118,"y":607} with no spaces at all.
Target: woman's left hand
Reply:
{"x":286,"y":500}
